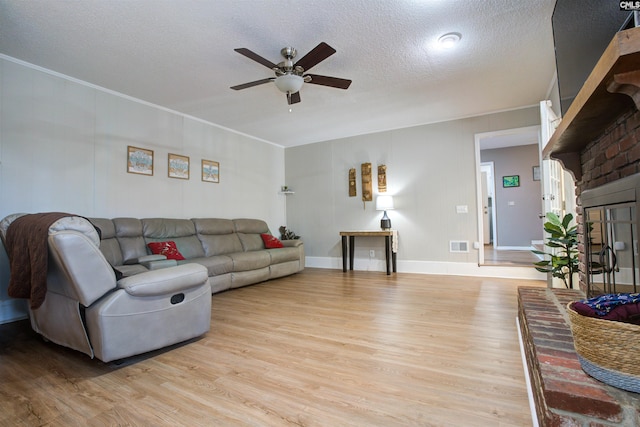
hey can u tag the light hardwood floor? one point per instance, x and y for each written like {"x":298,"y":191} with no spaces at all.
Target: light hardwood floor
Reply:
{"x":320,"y":348}
{"x":506,"y":258}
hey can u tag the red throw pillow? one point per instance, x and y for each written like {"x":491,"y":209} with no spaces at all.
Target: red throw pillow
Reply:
{"x":271,"y":242}
{"x":167,"y":249}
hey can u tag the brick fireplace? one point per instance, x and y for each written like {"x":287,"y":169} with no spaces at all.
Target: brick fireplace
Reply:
{"x":612,"y":156}
{"x":598,"y":140}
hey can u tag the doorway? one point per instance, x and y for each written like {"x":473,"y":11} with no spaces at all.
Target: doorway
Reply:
{"x":496,"y":248}
{"x":488,"y":197}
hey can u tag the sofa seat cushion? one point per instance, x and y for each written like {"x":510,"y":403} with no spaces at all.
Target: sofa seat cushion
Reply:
{"x":216,"y":265}
{"x":283,"y":255}
{"x":253,"y":260}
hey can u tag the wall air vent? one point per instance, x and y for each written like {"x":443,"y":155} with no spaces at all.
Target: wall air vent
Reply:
{"x":458,"y":246}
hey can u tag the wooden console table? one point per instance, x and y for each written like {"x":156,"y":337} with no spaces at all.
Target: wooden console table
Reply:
{"x":388,"y":246}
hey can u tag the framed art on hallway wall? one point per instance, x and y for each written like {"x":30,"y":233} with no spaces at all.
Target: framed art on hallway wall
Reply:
{"x":511,"y":181}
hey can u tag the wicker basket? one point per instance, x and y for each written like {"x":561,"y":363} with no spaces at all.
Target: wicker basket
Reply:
{"x":608,"y":351}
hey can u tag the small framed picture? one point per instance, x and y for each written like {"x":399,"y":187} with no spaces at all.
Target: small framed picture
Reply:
{"x":178,"y":166}
{"x":511,"y":181}
{"x":536,"y":173}
{"x":210,"y":171}
{"x":139,"y":160}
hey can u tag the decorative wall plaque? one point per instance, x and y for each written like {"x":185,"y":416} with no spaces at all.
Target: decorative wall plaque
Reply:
{"x":352,"y":182}
{"x":367,"y":191}
{"x":382,"y":179}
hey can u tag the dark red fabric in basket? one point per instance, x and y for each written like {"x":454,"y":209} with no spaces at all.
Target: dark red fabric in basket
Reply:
{"x":628,"y":313}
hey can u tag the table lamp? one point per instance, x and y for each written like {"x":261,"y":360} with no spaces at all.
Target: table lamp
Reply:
{"x":384,"y":203}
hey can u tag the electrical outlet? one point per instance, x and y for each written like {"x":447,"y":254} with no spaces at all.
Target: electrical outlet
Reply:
{"x":372,"y":253}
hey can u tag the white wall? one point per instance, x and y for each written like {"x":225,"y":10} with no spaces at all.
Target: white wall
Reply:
{"x":63,"y":147}
{"x":430,"y":171}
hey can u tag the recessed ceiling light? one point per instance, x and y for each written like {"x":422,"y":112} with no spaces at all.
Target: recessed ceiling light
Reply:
{"x":449,"y":40}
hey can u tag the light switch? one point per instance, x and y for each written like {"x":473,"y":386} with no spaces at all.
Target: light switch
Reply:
{"x":462,"y":209}
{"x":511,"y":203}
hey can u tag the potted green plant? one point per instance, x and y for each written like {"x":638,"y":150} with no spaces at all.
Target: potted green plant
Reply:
{"x":563,"y":237}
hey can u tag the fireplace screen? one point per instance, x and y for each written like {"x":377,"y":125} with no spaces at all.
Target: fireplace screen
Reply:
{"x":611,"y":248}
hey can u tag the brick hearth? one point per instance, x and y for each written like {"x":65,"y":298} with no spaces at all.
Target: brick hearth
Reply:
{"x":563,"y":394}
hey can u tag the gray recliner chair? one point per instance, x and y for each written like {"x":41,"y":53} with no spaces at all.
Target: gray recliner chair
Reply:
{"x":87,"y":309}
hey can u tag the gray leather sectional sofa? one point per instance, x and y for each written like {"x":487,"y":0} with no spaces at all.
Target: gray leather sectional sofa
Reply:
{"x":107,"y":296}
{"x":232,"y":250}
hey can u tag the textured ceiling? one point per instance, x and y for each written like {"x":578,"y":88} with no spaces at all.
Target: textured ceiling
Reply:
{"x":179,"y":54}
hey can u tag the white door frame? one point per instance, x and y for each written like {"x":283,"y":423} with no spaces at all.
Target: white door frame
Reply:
{"x":558,"y":186}
{"x":478,"y":137}
{"x":492,"y":184}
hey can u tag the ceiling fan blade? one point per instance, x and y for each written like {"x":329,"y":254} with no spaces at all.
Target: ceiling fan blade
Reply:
{"x":293,"y":98}
{"x":329,"y":81}
{"x":315,"y":56}
{"x":251,"y":55}
{"x":251,"y":84}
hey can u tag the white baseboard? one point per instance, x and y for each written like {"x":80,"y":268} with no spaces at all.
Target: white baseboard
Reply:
{"x":432,"y":267}
{"x":13,"y":310}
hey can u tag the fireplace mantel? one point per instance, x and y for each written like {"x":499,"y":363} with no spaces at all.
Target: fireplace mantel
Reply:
{"x":611,"y":89}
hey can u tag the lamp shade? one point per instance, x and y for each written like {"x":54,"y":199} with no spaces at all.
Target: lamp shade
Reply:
{"x":289,"y":83}
{"x":384,"y":203}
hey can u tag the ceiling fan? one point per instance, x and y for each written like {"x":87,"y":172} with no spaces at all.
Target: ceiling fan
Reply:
{"x":290,"y":76}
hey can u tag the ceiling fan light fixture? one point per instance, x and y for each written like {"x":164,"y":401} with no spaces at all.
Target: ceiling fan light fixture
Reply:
{"x":289,"y":83}
{"x":290,"y":76}
{"x":449,"y":40}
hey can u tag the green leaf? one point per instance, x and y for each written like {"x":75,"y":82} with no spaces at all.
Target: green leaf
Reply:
{"x":553,"y":229}
{"x":553,"y":218}
{"x":554,"y":245}
{"x":566,"y":220}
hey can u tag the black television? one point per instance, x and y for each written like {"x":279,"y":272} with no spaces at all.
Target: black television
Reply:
{"x":582,"y":30}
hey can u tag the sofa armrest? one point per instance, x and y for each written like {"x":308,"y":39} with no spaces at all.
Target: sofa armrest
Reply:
{"x":163,"y":263}
{"x":156,"y":262}
{"x":165,"y":281}
{"x":292,"y":243}
{"x":149,"y":258}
